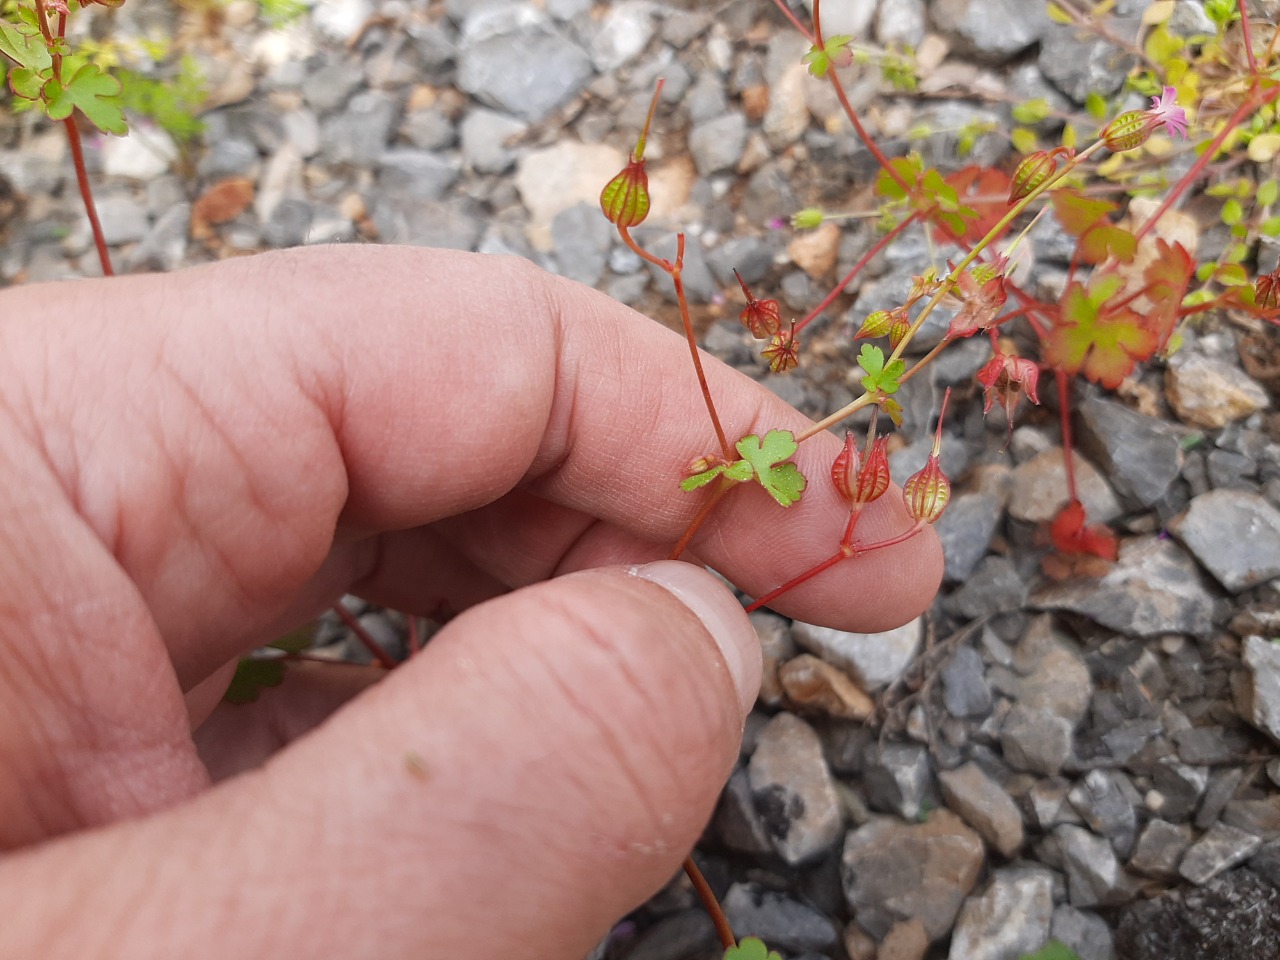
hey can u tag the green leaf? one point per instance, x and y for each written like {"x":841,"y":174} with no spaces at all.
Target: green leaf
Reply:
{"x":739,"y":471}
{"x":820,"y":59}
{"x":1024,"y":139}
{"x":751,"y":948}
{"x":251,"y":676}
{"x":781,"y":480}
{"x":1268,"y":193}
{"x":1232,"y":212}
{"x":24,"y":47}
{"x":27,"y":83}
{"x":297,"y":640}
{"x":1030,"y":111}
{"x":93,"y":93}
{"x":1270,"y":227}
{"x":1053,"y":950}
{"x":880,"y":378}
{"x":1096,"y":105}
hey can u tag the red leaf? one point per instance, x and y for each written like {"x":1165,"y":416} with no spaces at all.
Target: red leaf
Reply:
{"x":983,"y":190}
{"x":1069,"y":534}
{"x":1166,"y":278}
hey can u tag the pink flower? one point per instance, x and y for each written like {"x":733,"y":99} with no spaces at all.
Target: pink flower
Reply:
{"x":1164,"y":109}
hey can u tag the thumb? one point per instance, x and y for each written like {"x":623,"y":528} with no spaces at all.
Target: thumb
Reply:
{"x":540,"y":768}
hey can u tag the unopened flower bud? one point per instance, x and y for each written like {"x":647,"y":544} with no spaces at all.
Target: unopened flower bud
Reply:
{"x":928,"y":492}
{"x":1031,"y":173}
{"x":809,"y":218}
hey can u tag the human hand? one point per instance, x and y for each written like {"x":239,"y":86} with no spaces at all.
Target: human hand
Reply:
{"x":195,"y":462}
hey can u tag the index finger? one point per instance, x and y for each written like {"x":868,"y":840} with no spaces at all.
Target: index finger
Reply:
{"x":365,"y":389}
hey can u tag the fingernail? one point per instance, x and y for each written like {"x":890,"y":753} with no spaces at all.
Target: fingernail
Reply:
{"x":722,"y":615}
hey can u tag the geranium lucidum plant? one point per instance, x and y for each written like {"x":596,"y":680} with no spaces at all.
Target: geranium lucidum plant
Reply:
{"x":1127,"y":293}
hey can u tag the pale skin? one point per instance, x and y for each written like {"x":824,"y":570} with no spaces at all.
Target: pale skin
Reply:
{"x":193,"y":463}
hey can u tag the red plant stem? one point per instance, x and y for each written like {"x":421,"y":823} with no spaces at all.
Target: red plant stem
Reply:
{"x":856,"y":269}
{"x":73,"y":141}
{"x":1247,"y":35}
{"x":674,"y":271}
{"x":786,"y":12}
{"x":844,"y":553}
{"x":812,"y":572}
{"x":710,"y":904}
{"x":1251,"y":103}
{"x":861,"y":131}
{"x":700,"y":517}
{"x":86,"y":195}
{"x":362,"y":635}
{"x":924,"y":361}
{"x":1064,"y":413}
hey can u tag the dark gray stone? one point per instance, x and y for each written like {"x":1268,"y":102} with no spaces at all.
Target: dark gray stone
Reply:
{"x":1153,"y":589}
{"x":359,"y":135}
{"x":1035,"y":740}
{"x":964,"y":685}
{"x":716,"y":144}
{"x":1141,"y":455}
{"x":1102,"y":801}
{"x":518,"y":61}
{"x":992,"y":30}
{"x":793,"y":791}
{"x":1235,"y":534}
{"x":1236,"y":915}
{"x":896,"y":779}
{"x":582,"y":240}
{"x":1079,"y":64}
{"x":1220,"y":849}
{"x":1094,"y":875}
{"x":289,"y":223}
{"x":1083,"y":931}
{"x":780,"y":921}
{"x":894,"y":871}
{"x":995,"y":587}
{"x":966,"y":530}
{"x":416,"y":174}
{"x":1160,"y":849}
{"x":1010,"y":918}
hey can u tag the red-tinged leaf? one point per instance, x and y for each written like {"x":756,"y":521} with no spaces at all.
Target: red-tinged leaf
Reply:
{"x":24,"y":46}
{"x":93,"y":93}
{"x":1103,"y":345}
{"x":1166,"y":280}
{"x":1070,"y":535}
{"x":908,"y":168}
{"x":1105,"y":240}
{"x":983,"y":195}
{"x":1076,"y":213}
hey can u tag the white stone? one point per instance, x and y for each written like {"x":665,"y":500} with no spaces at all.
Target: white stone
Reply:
{"x":144,"y":154}
{"x":874,"y":660}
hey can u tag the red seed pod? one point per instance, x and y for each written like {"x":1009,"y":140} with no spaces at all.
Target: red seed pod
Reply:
{"x":844,"y":471}
{"x":899,"y":328}
{"x":927,"y":492}
{"x":762,"y":317}
{"x":1266,"y":291}
{"x":1127,"y":131}
{"x":625,"y":198}
{"x":1031,"y":173}
{"x":873,"y":478}
{"x":783,"y":351}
